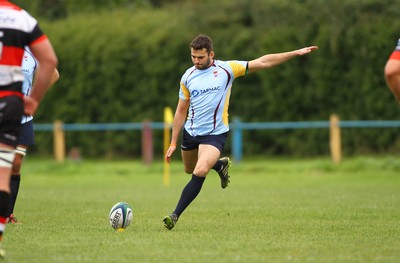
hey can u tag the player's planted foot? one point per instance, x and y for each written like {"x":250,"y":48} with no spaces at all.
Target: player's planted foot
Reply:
{"x":13,"y":220}
{"x":170,"y":221}
{"x":223,"y":173}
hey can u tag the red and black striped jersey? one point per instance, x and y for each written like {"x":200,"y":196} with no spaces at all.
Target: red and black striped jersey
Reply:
{"x":17,"y":30}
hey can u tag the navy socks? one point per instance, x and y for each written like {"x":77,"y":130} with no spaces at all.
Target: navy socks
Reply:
{"x":14,"y":187}
{"x":217,"y":166}
{"x":189,"y":193}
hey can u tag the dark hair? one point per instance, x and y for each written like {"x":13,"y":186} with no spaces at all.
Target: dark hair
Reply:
{"x":202,"y":41}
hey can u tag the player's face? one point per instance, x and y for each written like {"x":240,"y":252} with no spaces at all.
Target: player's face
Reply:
{"x":201,"y":59}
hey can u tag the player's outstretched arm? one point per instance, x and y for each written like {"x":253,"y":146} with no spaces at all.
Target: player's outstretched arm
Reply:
{"x":271,"y":60}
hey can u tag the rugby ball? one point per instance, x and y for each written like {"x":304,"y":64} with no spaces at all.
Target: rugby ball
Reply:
{"x":121,"y":215}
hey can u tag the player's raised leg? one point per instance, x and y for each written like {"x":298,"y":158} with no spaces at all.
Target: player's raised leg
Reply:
{"x":222,"y":168}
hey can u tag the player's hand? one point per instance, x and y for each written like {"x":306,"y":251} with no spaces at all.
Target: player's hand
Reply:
{"x":306,"y":50}
{"x":30,"y":105}
{"x":169,"y":153}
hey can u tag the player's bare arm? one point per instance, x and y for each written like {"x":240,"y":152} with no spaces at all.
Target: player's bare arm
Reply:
{"x":392,"y":77}
{"x":271,"y":60}
{"x":179,"y":121}
{"x":45,"y":55}
{"x":54,"y":78}
{"x":30,"y":104}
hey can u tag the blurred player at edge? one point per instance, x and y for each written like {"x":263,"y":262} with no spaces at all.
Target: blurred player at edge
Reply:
{"x":203,"y":112}
{"x":26,"y":136}
{"x":17,"y":30}
{"x":392,"y":72}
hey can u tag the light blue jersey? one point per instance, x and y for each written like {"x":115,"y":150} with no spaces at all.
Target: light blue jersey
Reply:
{"x":29,"y":65}
{"x":209,"y":91}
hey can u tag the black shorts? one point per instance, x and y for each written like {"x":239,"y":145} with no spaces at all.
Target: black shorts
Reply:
{"x":192,"y":142}
{"x":26,"y":136}
{"x":11,"y":110}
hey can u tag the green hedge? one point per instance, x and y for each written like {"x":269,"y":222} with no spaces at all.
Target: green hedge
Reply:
{"x":124,"y":65}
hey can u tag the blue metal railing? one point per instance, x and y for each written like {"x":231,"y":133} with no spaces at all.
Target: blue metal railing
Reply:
{"x":236,"y":127}
{"x":100,"y":126}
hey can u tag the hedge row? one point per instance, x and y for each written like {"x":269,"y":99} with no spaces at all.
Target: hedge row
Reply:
{"x":124,"y":65}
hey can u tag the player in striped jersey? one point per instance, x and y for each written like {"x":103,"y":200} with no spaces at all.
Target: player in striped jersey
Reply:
{"x":392,"y":72}
{"x":26,"y":135}
{"x":17,"y":30}
{"x":202,"y":111}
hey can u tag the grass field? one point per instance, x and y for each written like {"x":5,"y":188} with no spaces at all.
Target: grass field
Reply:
{"x":274,"y":210}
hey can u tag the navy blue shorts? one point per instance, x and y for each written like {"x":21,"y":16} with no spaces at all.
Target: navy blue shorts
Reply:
{"x":26,"y":136}
{"x":192,"y":142}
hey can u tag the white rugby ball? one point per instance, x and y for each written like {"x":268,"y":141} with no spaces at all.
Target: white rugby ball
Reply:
{"x":121,"y":215}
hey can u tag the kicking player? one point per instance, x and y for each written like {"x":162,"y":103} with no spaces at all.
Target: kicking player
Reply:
{"x":26,"y":136}
{"x":17,"y":30}
{"x":203,"y":112}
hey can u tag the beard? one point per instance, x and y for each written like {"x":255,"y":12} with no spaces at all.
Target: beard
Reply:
{"x":203,"y":66}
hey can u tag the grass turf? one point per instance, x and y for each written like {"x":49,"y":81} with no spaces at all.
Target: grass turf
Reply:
{"x":274,"y":210}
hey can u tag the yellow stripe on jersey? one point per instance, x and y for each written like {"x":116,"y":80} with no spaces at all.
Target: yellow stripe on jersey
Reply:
{"x":185,"y":91}
{"x":237,"y":69}
{"x":225,"y":114}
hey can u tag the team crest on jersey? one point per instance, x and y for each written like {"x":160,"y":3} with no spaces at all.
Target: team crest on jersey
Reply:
{"x":215,"y":72}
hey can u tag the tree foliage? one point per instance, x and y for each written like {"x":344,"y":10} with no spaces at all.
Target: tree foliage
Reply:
{"x":121,"y":61}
